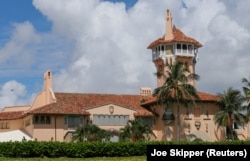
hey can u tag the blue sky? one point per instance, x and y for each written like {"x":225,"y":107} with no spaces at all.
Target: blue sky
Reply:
{"x":96,"y":46}
{"x":15,"y":11}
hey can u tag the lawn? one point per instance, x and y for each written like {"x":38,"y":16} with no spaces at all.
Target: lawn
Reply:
{"x":137,"y":158}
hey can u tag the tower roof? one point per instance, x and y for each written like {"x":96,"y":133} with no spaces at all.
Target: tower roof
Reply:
{"x":173,"y":35}
{"x":178,"y":37}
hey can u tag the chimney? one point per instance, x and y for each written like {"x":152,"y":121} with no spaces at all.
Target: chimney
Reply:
{"x":145,"y":91}
{"x":169,"y":26}
{"x":47,"y":81}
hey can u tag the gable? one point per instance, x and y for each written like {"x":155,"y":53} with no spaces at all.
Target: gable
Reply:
{"x":84,"y":103}
{"x":111,"y":109}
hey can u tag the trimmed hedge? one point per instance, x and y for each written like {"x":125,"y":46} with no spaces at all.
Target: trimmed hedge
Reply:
{"x":52,"y":149}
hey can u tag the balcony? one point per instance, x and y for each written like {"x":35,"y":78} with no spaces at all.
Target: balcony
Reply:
{"x":159,"y":54}
{"x":183,"y":52}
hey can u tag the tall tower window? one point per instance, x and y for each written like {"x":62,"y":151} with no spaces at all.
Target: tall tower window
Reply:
{"x":184,"y":47}
{"x":162,"y":48}
{"x":190,"y":49}
{"x":178,"y":48}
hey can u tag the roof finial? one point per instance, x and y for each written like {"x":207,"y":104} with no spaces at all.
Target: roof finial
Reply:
{"x":169,"y":27}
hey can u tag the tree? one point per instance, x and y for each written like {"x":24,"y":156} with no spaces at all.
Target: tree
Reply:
{"x":230,"y":104}
{"x":177,"y":89}
{"x":90,"y":132}
{"x":246,"y":90}
{"x":135,"y":130}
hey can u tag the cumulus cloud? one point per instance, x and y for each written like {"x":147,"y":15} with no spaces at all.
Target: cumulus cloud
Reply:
{"x":13,"y":93}
{"x":101,"y":46}
{"x":110,"y":42}
{"x":107,"y":56}
{"x":22,"y":38}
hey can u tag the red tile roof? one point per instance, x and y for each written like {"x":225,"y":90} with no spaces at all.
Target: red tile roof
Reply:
{"x":178,"y":37}
{"x":77,"y":103}
{"x":203,"y":97}
{"x":11,"y":115}
{"x":208,"y":97}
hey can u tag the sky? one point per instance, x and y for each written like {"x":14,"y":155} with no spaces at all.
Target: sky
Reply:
{"x":100,"y":46}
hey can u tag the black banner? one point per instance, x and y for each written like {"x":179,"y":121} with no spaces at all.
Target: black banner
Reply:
{"x":198,"y":152}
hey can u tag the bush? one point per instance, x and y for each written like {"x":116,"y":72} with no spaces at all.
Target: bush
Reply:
{"x":89,"y":149}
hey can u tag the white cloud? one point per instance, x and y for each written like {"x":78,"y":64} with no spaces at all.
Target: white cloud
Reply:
{"x":13,"y":93}
{"x":99,"y":46}
{"x":110,"y":43}
{"x":107,"y":56}
{"x":22,"y":38}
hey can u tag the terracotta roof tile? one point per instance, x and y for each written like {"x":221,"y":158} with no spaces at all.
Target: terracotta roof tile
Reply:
{"x":143,"y":113}
{"x":203,"y":97}
{"x":208,"y":97}
{"x":178,"y":37}
{"x":11,"y":115}
{"x":77,"y":103}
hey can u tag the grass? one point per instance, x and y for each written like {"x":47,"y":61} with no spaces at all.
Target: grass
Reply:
{"x":134,"y":158}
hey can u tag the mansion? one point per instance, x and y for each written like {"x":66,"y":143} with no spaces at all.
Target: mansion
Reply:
{"x":55,"y":115}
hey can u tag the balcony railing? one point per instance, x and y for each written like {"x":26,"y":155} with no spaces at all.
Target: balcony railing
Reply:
{"x":183,"y":52}
{"x":178,"y":52}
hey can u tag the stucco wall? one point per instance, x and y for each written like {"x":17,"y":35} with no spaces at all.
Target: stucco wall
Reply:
{"x":207,"y":130}
{"x":12,"y":125}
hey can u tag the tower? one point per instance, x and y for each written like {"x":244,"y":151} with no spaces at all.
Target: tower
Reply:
{"x":173,"y":46}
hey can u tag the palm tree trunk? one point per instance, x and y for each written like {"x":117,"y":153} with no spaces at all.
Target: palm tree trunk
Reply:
{"x":178,"y":122}
{"x":230,"y":127}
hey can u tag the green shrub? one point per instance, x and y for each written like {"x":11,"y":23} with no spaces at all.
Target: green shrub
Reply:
{"x":54,"y":149}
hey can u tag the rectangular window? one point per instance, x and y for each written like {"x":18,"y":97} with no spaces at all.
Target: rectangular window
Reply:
{"x":36,"y":120}
{"x":197,"y":112}
{"x":47,"y":119}
{"x":41,"y":119}
{"x":147,"y":121}
{"x":4,"y":125}
{"x":110,"y":120}
{"x":237,"y":126}
{"x":73,"y":121}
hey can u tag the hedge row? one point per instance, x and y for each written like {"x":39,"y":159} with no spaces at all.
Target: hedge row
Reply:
{"x":72,"y":150}
{"x":87,"y":149}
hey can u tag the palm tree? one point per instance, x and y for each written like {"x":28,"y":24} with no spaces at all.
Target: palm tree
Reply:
{"x":135,"y":130}
{"x":246,"y":90}
{"x":230,"y":104}
{"x":177,"y":89}
{"x":79,"y":134}
{"x":91,"y":133}
{"x":125,"y":133}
